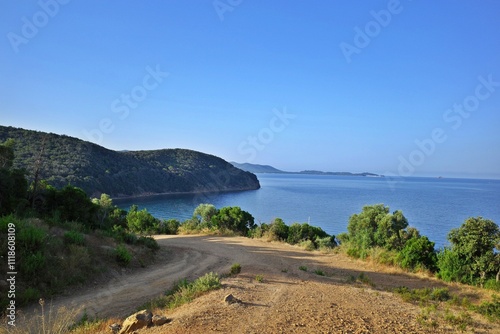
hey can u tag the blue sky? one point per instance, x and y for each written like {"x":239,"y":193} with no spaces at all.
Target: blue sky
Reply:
{"x":409,"y":88}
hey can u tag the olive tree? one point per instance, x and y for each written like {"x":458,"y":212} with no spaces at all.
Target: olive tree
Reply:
{"x":474,"y":245}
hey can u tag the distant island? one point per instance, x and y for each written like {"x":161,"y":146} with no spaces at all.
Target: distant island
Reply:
{"x":255,"y":168}
{"x":61,"y":160}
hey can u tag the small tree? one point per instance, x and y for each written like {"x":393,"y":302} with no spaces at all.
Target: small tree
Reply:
{"x":105,"y":206}
{"x":234,"y":219}
{"x":204,"y":213}
{"x":418,"y":253}
{"x":474,"y":244}
{"x":278,"y":230}
{"x":140,"y":221}
{"x":376,"y":227}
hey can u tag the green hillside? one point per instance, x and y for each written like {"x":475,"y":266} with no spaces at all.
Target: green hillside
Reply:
{"x":66,"y":160}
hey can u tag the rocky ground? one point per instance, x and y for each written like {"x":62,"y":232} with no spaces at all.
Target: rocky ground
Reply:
{"x":282,"y":289}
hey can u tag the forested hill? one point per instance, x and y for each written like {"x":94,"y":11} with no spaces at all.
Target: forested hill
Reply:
{"x":66,"y":160}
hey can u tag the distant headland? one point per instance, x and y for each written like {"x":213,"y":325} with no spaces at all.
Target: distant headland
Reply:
{"x":255,"y":168}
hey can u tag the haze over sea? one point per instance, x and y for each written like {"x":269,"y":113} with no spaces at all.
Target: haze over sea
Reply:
{"x":432,"y":205}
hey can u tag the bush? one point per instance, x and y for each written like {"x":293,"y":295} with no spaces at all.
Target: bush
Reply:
{"x":451,"y":267}
{"x":32,"y":264}
{"x":308,"y":245}
{"x":149,"y":242}
{"x":384,"y":256}
{"x":277,"y":230}
{"x":418,"y":253}
{"x":492,"y":284}
{"x":189,"y":226}
{"x":326,"y":242}
{"x":235,"y":269}
{"x":375,"y":226}
{"x":233,"y":219}
{"x":475,"y":245}
{"x":424,"y":295}
{"x":140,"y":221}
{"x":170,"y":226}
{"x":122,"y":255}
{"x":184,"y":292}
{"x":490,"y":309}
{"x":29,"y":237}
{"x":298,"y":233}
{"x":319,"y":272}
{"x":74,"y":238}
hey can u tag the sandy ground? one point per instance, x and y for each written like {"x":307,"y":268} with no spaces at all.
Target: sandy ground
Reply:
{"x":288,"y":300}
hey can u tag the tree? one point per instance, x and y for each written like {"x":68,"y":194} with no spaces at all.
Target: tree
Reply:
{"x":278,"y":230}
{"x":204,"y":213}
{"x":140,"y":221}
{"x":376,"y":227}
{"x":474,"y":245}
{"x":7,"y":154}
{"x":105,"y":206}
{"x":418,"y":253}
{"x":13,"y":184}
{"x":234,"y":219}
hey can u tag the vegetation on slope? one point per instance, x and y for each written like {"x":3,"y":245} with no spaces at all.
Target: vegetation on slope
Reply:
{"x":63,"y":160}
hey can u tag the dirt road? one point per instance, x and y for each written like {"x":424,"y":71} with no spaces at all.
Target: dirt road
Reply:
{"x":288,"y":300}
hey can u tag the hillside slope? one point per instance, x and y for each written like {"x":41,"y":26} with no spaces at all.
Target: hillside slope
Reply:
{"x":67,"y":160}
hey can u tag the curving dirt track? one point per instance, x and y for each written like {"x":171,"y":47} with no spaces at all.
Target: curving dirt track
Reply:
{"x":288,"y":300}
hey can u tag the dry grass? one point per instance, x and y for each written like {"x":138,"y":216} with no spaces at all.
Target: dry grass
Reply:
{"x":44,"y":320}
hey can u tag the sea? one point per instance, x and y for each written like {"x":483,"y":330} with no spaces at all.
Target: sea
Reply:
{"x":433,"y":205}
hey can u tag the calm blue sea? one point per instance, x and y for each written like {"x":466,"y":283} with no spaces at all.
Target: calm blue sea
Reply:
{"x":432,"y":205}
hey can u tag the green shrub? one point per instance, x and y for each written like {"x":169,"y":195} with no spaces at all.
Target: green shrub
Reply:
{"x":298,"y":233}
{"x":170,"y":226}
{"x":74,"y":238}
{"x":235,"y":269}
{"x":490,"y":309}
{"x":343,"y":238}
{"x":451,"y":266}
{"x":184,"y":292}
{"x":29,"y":295}
{"x":492,"y":284}
{"x":363,"y":278}
{"x":29,"y":237}
{"x":319,"y":272}
{"x":207,"y":282}
{"x":384,"y":256}
{"x":418,"y":253}
{"x":462,"y":321}
{"x":130,"y":238}
{"x":308,"y":245}
{"x":149,"y":242}
{"x":277,"y":230}
{"x":122,"y":255}
{"x":32,"y":264}
{"x":259,"y":278}
{"x":140,"y":221}
{"x":189,"y":226}
{"x":424,"y":295}
{"x":303,"y":268}
{"x":326,"y":242}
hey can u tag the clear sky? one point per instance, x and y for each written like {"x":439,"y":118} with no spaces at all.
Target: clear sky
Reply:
{"x":407,"y":88}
